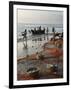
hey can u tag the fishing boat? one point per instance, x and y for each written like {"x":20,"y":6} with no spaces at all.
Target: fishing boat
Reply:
{"x":39,"y":31}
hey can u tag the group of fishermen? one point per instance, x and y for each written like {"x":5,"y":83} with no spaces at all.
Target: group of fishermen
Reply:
{"x":39,"y":31}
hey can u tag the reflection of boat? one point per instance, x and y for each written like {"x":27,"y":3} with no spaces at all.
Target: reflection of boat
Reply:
{"x":38,"y":32}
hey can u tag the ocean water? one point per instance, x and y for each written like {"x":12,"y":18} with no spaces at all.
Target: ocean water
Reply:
{"x":34,"y":43}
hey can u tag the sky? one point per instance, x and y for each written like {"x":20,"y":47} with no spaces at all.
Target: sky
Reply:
{"x":39,"y":16}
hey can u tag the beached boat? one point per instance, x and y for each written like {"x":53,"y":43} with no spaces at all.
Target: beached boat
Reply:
{"x":38,"y":32}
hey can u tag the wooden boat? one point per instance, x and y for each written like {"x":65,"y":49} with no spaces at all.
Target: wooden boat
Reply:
{"x":38,"y":32}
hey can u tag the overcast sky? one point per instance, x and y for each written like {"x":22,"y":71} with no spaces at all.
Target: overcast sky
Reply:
{"x":40,"y":17}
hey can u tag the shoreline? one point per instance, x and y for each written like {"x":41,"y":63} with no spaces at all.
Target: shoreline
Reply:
{"x":34,"y":37}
